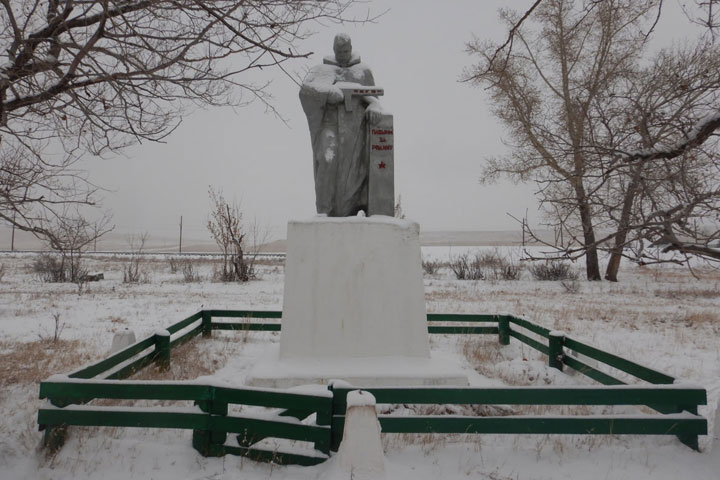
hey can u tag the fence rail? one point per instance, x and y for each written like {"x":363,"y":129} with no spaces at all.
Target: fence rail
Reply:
{"x":677,"y":405}
{"x":671,"y":398}
{"x":208,"y":418}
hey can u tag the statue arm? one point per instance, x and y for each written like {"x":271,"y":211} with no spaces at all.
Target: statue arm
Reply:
{"x":318,"y":85}
{"x":374,"y":109}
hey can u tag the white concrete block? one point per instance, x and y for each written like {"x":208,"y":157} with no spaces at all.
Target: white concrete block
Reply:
{"x":361,"y":453}
{"x":121,"y":340}
{"x":353,"y":288}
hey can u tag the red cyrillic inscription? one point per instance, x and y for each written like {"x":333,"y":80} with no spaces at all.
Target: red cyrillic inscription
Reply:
{"x":382,"y":147}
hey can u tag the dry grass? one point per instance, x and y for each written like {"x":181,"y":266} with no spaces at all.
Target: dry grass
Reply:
{"x":674,"y":275}
{"x":683,"y":293}
{"x":32,"y":362}
{"x":693,"y":319}
{"x":481,"y":351}
{"x":187,"y":362}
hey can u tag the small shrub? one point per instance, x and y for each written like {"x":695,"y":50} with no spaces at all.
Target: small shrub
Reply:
{"x":490,"y":259}
{"x":132,"y":272}
{"x":508,"y":271}
{"x":190,"y":275}
{"x":81,"y":282}
{"x":553,"y":271}
{"x":485,"y":266}
{"x":240,"y":270}
{"x":49,"y":268}
{"x":497,"y":267}
{"x":57,"y":330}
{"x":431,"y":267}
{"x":174,"y":264}
{"x":571,"y":286}
{"x":466,"y":268}
{"x":2,"y":271}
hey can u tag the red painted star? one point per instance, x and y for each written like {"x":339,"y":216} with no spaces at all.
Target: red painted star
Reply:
{"x":381,"y":165}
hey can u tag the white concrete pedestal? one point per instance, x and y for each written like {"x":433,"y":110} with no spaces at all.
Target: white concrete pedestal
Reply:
{"x":354,"y":307}
{"x":353,"y":288}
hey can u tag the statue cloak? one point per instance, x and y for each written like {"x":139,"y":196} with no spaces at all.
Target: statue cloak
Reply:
{"x":338,"y":138}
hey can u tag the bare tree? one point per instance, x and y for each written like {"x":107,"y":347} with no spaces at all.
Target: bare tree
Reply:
{"x":71,"y":236}
{"x":647,"y":170}
{"x":132,"y":273}
{"x":544,"y":89}
{"x":93,"y":76}
{"x":226,"y":227}
{"x":614,"y":146}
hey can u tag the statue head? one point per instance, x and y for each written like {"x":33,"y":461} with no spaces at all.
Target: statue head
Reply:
{"x":342,"y":46}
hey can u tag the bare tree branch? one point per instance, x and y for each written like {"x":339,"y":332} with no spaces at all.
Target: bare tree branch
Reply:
{"x":511,"y":35}
{"x":608,"y":142}
{"x":94,"y":76}
{"x":700,"y":134}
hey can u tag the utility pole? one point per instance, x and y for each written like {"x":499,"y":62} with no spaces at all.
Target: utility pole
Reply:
{"x":12,"y":237}
{"x":180,"y":233}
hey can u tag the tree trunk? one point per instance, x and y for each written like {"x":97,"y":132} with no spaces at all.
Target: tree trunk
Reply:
{"x":241,"y":269}
{"x":615,"y":257}
{"x":621,"y":235}
{"x":592,"y":264}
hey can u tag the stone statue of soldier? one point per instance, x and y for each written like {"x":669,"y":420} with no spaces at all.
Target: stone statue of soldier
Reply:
{"x":338,"y":136}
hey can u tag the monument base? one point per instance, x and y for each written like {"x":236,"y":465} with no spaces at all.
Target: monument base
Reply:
{"x":271,"y":371}
{"x":353,"y":288}
{"x":354,"y":308}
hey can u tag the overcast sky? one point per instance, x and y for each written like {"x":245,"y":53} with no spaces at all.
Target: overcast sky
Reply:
{"x":443,"y":131}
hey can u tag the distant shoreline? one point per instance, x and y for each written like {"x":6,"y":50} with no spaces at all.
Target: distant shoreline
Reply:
{"x":119,"y":242}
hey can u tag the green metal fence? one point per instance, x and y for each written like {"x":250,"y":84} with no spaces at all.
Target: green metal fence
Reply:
{"x":676,"y":405}
{"x":210,"y":425}
{"x":685,"y":425}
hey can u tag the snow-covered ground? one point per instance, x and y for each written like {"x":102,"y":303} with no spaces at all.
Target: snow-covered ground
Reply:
{"x":662,"y":317}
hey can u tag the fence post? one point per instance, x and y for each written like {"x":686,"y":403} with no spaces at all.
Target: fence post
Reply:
{"x":504,"y":330}
{"x":162,"y":349}
{"x":54,"y":437}
{"x":206,"y":324}
{"x":324,"y":418}
{"x":691,"y":440}
{"x":337,"y":415}
{"x":210,"y":443}
{"x":556,"y":353}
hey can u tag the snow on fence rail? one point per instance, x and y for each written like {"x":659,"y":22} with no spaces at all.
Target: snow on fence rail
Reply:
{"x":677,"y":405}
